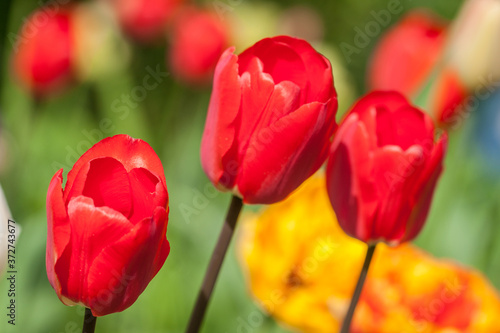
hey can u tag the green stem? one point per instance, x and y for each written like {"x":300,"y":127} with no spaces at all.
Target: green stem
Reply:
{"x":215,"y":265}
{"x":359,"y":287}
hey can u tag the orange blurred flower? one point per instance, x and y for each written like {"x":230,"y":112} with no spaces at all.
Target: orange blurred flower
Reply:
{"x":302,"y":269}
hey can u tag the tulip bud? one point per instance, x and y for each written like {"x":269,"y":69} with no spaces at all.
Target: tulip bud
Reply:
{"x":198,"y":39}
{"x":270,"y":119}
{"x":106,"y":235}
{"x":383,"y":168}
{"x":43,"y":55}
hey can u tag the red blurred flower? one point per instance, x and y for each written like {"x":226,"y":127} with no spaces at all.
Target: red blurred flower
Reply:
{"x":447,"y":97}
{"x":145,"y":20}
{"x":43,"y":56}
{"x":270,"y":119}
{"x":405,"y":58}
{"x":383,"y":168}
{"x":107,"y":229}
{"x":198,"y":39}
{"x":406,"y":54}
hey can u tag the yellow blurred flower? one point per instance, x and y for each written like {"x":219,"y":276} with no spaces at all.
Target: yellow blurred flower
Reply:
{"x":302,"y":269}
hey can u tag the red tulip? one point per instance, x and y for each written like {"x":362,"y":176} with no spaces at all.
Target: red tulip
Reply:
{"x":407,"y":53}
{"x":145,"y":20}
{"x":107,"y":229}
{"x":43,"y":57}
{"x":270,"y":119}
{"x":406,"y":60}
{"x":383,"y":168}
{"x":198,"y":39}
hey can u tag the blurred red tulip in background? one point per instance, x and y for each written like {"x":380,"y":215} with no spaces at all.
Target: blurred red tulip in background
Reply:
{"x":44,"y":51}
{"x":270,"y":119}
{"x":383,"y":169}
{"x":107,"y":229}
{"x":198,"y":39}
{"x":407,"y":58}
{"x":145,"y":20}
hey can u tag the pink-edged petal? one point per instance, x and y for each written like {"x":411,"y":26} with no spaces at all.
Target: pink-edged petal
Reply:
{"x":219,"y":136}
{"x":424,"y":190}
{"x":92,"y":229}
{"x":147,"y":194}
{"x":107,"y":184}
{"x":403,"y":127}
{"x":132,"y":153}
{"x":271,"y":168}
{"x":58,"y":228}
{"x":122,"y":271}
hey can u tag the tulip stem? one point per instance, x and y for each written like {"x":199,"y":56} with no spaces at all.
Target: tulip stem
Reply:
{"x":89,"y":322}
{"x":215,"y":265}
{"x":359,"y":287}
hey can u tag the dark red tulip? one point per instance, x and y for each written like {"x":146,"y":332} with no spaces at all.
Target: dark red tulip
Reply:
{"x":270,"y":119}
{"x":198,"y":39}
{"x":44,"y":52}
{"x":383,"y":168}
{"x":107,"y":229}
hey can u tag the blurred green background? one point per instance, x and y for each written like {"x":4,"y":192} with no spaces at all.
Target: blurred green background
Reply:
{"x":38,"y":138}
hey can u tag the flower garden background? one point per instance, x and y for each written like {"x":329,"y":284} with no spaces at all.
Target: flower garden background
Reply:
{"x":133,"y":81}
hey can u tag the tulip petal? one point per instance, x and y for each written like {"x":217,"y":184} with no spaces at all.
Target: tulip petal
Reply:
{"x":318,"y":69}
{"x":269,"y":175}
{"x":107,"y":183}
{"x":357,"y":163}
{"x":395,"y":173}
{"x":218,"y":140}
{"x":366,"y":108}
{"x":131,"y":153}
{"x":257,"y":89}
{"x":147,"y":194}
{"x":404,"y":127}
{"x":92,"y":229}
{"x":298,"y":62}
{"x":422,"y":196}
{"x":58,"y":228}
{"x":123,"y":270}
